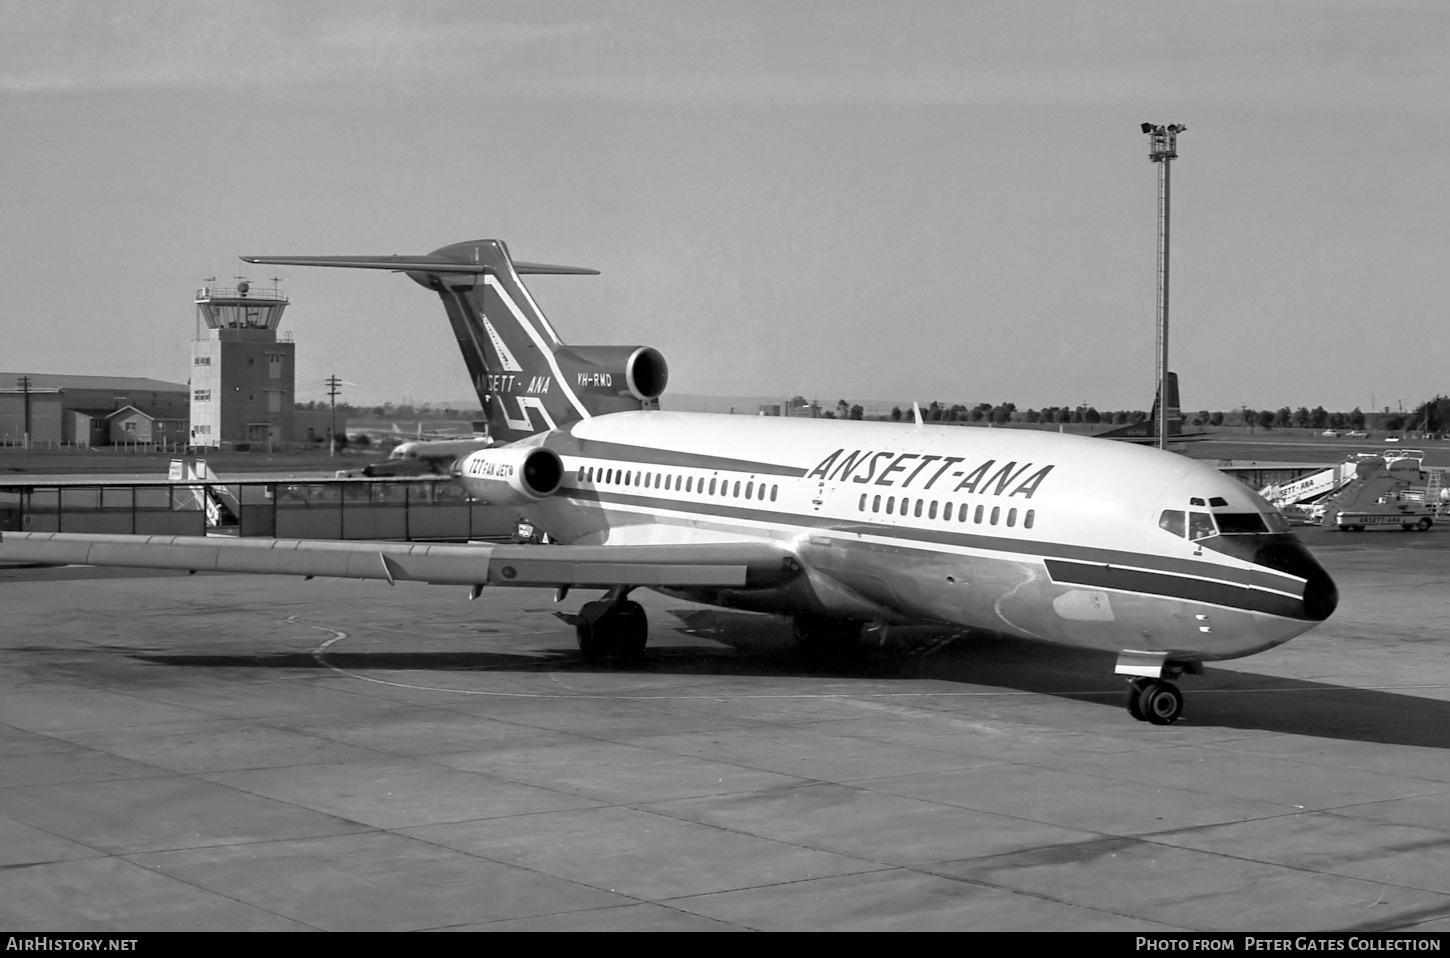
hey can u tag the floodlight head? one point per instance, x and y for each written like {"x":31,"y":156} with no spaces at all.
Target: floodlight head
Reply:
{"x":1147,"y":128}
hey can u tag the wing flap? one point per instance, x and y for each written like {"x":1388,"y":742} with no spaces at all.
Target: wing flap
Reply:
{"x":352,"y":560}
{"x":733,"y":564}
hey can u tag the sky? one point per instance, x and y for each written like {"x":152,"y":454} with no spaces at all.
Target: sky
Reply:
{"x":899,"y":200}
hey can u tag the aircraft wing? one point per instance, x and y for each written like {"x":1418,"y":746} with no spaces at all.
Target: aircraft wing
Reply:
{"x":725,"y":564}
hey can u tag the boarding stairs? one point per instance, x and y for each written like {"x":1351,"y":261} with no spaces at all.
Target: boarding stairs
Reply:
{"x":1375,"y":480}
{"x":220,"y":503}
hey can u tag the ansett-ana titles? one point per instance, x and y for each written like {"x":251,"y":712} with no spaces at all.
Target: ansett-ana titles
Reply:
{"x":902,"y":470}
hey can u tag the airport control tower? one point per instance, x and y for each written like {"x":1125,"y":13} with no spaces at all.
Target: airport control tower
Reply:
{"x":242,"y":376}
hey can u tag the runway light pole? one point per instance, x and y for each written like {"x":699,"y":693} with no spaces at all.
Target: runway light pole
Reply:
{"x":1163,"y":149}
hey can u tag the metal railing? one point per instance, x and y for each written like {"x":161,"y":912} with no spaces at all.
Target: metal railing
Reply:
{"x":433,"y":509}
{"x":12,"y":442}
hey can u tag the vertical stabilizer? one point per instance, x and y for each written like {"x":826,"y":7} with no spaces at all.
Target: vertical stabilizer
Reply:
{"x":1147,"y":430}
{"x":507,"y":344}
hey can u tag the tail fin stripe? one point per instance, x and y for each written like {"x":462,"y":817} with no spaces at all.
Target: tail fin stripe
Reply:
{"x":505,"y":357}
{"x":525,"y":404}
{"x":545,"y":350}
{"x":506,"y":276}
{"x":543,"y":320}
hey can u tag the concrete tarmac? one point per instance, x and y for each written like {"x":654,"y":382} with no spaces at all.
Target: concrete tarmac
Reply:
{"x":247,"y":753}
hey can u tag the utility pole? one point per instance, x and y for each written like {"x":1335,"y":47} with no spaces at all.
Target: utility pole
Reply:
{"x":1163,"y":149}
{"x":25,"y":388}
{"x":334,"y":386}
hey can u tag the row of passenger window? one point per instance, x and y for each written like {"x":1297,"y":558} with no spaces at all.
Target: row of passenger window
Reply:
{"x":917,"y":507}
{"x":672,"y":482}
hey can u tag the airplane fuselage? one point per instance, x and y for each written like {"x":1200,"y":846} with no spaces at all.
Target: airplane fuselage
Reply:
{"x":1130,"y":550}
{"x":1016,"y":532}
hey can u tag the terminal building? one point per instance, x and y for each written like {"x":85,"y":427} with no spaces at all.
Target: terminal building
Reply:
{"x":243,"y":376}
{"x":59,"y":409}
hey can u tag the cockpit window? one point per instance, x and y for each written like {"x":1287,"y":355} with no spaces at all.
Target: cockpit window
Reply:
{"x":1241,"y":524}
{"x":1172,"y":520}
{"x":1218,"y":501}
{"x":1200,"y":526}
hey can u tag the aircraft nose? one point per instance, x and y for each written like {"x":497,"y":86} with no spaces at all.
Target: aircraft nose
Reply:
{"x":1321,"y":595}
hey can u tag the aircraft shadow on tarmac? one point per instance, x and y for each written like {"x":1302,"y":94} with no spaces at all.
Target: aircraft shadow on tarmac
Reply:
{"x":756,"y":645}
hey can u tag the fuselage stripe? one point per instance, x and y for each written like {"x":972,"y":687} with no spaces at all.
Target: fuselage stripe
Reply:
{"x":620,"y":455}
{"x":1176,"y":587}
{"x":1166,"y":567}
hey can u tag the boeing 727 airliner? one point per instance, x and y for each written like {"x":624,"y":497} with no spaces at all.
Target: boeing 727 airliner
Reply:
{"x":1159,"y":559}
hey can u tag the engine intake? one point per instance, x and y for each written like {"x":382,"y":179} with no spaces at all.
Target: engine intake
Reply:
{"x":511,"y":475}
{"x":626,"y":372}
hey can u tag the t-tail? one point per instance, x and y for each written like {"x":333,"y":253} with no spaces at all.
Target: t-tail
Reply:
{"x":527,"y":380}
{"x":1147,"y":430}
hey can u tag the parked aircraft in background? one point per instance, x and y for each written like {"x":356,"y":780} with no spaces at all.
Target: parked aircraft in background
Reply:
{"x":419,"y":434}
{"x":1146,"y":431}
{"x":1155,"y":558}
{"x":422,"y":457}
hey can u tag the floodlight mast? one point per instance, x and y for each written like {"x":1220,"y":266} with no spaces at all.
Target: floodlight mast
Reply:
{"x":1163,"y":149}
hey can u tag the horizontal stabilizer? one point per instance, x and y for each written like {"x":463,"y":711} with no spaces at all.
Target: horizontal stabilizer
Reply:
{"x":430,"y":263}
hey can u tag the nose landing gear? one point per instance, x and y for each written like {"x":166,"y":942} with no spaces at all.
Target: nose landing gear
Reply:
{"x":1150,"y":696}
{"x":1154,"y":700}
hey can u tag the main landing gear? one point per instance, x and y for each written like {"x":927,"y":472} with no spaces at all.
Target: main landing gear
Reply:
{"x":614,"y":625}
{"x":1154,"y":700}
{"x":816,"y":633}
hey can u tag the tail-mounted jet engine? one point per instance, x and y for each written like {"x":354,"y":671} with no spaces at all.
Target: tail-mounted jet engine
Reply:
{"x":614,"y":378}
{"x":511,"y":475}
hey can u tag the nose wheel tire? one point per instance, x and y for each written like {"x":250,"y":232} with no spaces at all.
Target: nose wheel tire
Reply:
{"x":1158,"y":702}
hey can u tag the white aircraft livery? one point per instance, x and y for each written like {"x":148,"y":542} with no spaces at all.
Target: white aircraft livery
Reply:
{"x":1156,"y":558}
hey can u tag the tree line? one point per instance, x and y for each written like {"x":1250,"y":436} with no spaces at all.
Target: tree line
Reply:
{"x":1432,"y":415}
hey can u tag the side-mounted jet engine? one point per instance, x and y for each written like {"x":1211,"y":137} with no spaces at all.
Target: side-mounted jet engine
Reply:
{"x":511,"y":475}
